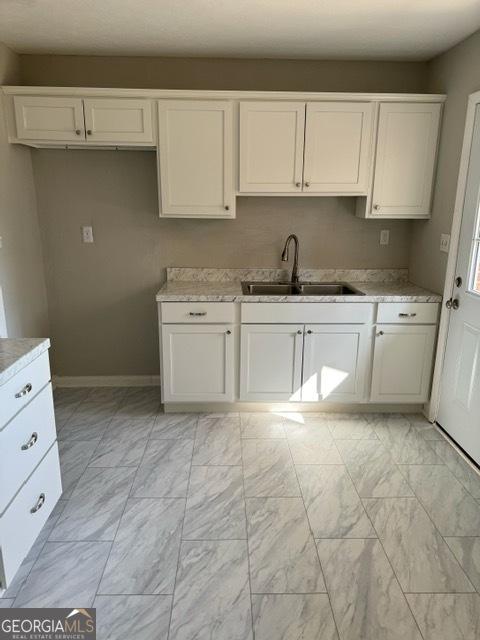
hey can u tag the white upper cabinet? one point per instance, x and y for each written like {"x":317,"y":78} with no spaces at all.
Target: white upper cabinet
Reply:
{"x":271,"y":146}
{"x":118,"y":120}
{"x":195,"y":156}
{"x":405,"y":160}
{"x":338,"y":145}
{"x":49,"y":119}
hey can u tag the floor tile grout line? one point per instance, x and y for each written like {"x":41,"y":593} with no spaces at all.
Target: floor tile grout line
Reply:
{"x":180,"y":542}
{"x":314,"y":541}
{"x":249,"y":568}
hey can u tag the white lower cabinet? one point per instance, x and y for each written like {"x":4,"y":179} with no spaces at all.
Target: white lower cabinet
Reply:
{"x":271,"y":362}
{"x":335,"y":361}
{"x":198,"y":362}
{"x":402,"y":363}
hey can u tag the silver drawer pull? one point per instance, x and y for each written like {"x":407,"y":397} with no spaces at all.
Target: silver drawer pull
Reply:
{"x":26,"y":390}
{"x":39,"y":505}
{"x":407,"y":315}
{"x":31,"y":442}
{"x":197,"y":314}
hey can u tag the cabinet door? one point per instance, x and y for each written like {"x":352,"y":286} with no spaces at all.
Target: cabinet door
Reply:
{"x":271,"y":146}
{"x":198,"y":363}
{"x":338,"y":147}
{"x":118,"y":120}
{"x":405,"y":159}
{"x":49,"y":119}
{"x":271,"y":362}
{"x":402,"y":363}
{"x":335,"y":362}
{"x":196,"y":159}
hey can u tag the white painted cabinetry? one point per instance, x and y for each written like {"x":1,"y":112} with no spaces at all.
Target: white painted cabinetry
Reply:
{"x":406,"y":149}
{"x":271,"y":362}
{"x":402,"y":362}
{"x":338,"y":147}
{"x":111,"y":121}
{"x":30,"y":482}
{"x":198,"y":362}
{"x":195,"y":154}
{"x":335,"y":362}
{"x":328,"y":152}
{"x":271,"y":146}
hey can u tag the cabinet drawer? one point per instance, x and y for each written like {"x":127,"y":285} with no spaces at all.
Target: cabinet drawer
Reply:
{"x":198,"y":312}
{"x":408,"y":312}
{"x":21,"y":523}
{"x":24,"y":442}
{"x":19,"y":390}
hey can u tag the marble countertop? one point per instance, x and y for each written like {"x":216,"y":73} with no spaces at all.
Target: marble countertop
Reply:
{"x":16,"y":353}
{"x":202,"y":291}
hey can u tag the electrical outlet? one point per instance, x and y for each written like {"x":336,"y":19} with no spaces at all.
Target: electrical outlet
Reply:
{"x":384,"y":236}
{"x":444,"y":242}
{"x":87,"y":234}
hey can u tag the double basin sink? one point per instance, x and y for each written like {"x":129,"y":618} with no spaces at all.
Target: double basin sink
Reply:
{"x":299,"y":289}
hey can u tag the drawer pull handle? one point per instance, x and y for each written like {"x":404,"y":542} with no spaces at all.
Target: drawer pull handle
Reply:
{"x":26,"y":390}
{"x":407,"y":315}
{"x":39,"y":505}
{"x":197,"y":314}
{"x":31,"y":442}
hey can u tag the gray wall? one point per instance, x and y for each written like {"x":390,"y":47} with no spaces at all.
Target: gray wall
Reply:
{"x":23,"y":303}
{"x":456,"y":73}
{"x":101,"y":296}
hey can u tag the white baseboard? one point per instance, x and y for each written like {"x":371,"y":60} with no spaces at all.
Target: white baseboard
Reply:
{"x":106,"y":381}
{"x":283,"y":407}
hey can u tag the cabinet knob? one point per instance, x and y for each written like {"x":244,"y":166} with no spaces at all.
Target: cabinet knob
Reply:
{"x":307,"y":184}
{"x":380,"y":333}
{"x":298,"y":184}
{"x":309,"y":331}
{"x":299,"y":332}
{"x":228,"y":332}
{"x":227,"y":208}
{"x":376,"y":207}
{"x":89,"y":132}
{"x":78,"y":132}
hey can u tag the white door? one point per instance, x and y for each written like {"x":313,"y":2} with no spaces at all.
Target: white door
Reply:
{"x":335,"y":362}
{"x":460,"y":391}
{"x":119,"y":120}
{"x":405,"y":159}
{"x":402,"y":363}
{"x":49,"y":119}
{"x":271,"y":146}
{"x":198,"y":363}
{"x":271,"y":362}
{"x":195,"y":156}
{"x":338,"y":147}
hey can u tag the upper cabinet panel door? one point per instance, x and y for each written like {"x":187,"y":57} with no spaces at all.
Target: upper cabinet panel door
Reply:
{"x":49,"y":119}
{"x":118,"y":120}
{"x":338,"y":147}
{"x":271,"y":146}
{"x":405,"y":159}
{"x":196,"y":159}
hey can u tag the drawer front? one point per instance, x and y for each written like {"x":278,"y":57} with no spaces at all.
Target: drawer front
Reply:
{"x":408,"y":312}
{"x":17,"y":392}
{"x":307,"y":312}
{"x":198,"y":312}
{"x":24,"y":442}
{"x":23,"y":520}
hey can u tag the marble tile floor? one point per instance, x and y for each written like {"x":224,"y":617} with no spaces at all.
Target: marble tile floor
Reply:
{"x":256,"y":526}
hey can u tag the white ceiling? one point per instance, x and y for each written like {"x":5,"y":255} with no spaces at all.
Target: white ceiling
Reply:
{"x":328,"y":29}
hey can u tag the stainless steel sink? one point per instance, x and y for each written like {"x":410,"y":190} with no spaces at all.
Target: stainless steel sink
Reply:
{"x":299,"y":289}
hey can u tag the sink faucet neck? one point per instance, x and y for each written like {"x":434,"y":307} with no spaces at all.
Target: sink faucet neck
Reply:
{"x":294,"y":238}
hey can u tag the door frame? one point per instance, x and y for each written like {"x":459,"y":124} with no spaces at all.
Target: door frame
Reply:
{"x":431,"y":409}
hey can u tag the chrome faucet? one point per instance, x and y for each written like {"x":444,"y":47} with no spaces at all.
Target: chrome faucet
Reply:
{"x":292,"y":236}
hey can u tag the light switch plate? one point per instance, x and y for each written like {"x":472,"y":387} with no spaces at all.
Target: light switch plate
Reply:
{"x":444,"y":242}
{"x":384,"y":236}
{"x":87,"y":234}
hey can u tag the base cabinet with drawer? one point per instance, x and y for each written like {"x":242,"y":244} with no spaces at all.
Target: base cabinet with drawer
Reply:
{"x":30,"y":480}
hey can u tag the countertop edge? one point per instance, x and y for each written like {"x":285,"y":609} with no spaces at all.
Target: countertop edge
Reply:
{"x":21,"y":361}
